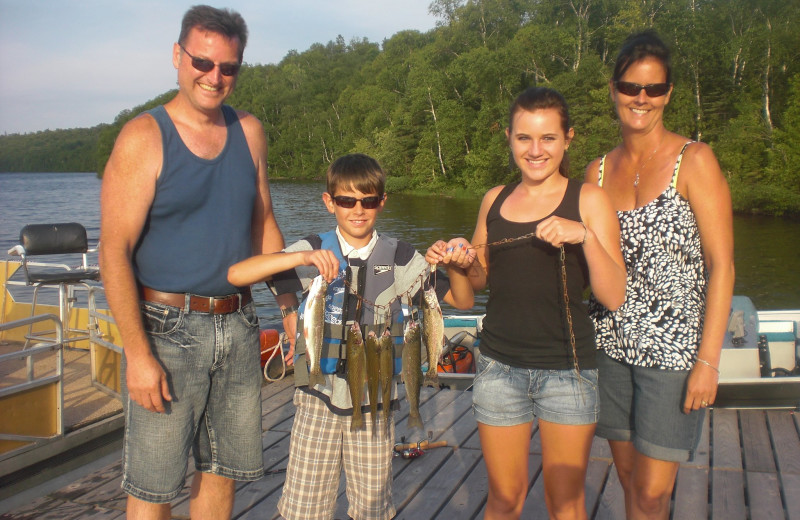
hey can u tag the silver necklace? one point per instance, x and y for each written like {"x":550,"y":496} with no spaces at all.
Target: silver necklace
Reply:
{"x":641,"y":166}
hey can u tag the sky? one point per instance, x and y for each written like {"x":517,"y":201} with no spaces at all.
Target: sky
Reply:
{"x":79,"y":63}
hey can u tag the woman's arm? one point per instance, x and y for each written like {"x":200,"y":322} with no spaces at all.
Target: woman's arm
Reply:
{"x":479,"y":271}
{"x":607,"y":273}
{"x":704,"y":185}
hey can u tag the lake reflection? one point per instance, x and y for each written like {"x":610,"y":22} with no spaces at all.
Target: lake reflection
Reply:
{"x":767,"y":252}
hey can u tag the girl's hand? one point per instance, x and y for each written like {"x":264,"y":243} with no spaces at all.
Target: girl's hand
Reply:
{"x":456,"y":253}
{"x":558,"y":231}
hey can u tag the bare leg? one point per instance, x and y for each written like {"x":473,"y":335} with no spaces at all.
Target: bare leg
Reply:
{"x":565,"y":457}
{"x":505,"y":452}
{"x":212,"y":497}
{"x":140,"y":510}
{"x":647,"y":482}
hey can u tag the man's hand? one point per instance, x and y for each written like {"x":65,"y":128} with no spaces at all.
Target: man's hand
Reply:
{"x":147,"y":383}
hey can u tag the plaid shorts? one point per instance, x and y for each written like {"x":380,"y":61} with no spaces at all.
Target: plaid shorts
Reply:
{"x":321,"y":445}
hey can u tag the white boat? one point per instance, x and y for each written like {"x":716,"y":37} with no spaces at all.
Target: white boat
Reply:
{"x":758,"y":369}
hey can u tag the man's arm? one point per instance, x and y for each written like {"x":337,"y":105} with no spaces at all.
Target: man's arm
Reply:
{"x":125,"y":199}
{"x":266,"y":235}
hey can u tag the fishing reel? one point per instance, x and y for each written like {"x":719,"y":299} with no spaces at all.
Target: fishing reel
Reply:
{"x":409,"y":453}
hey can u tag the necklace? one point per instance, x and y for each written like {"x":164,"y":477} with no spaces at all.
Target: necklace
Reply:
{"x":641,"y":166}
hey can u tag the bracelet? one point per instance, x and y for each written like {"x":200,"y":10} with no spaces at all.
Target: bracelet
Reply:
{"x":585,"y":231}
{"x":285,"y":311}
{"x":703,"y":361}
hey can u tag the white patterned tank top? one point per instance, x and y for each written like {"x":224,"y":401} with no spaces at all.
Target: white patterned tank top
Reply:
{"x":661,"y":322}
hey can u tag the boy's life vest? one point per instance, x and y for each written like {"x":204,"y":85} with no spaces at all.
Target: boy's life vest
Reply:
{"x":373,"y":281}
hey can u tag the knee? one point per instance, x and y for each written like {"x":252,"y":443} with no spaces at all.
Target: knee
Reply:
{"x":652,"y":501}
{"x":507,"y":502}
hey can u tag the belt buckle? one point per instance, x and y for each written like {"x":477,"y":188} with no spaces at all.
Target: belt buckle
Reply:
{"x":211,"y":307}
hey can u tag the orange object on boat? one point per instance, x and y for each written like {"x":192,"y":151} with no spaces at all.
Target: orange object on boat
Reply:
{"x":270,"y":340}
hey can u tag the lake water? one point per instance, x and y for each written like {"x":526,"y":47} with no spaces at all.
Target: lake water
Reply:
{"x":767,"y":250}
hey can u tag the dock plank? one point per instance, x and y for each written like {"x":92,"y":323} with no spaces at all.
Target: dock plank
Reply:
{"x":747,"y":466}
{"x":785,"y":441}
{"x":756,"y":443}
{"x":690,"y":498}
{"x":611,"y":505}
{"x":764,"y":496}
{"x":727,"y":451}
{"x":727,"y":495}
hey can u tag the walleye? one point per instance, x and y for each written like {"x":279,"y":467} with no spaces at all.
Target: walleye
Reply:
{"x":412,"y":371}
{"x":386,"y":362}
{"x":433,"y":331}
{"x":371,"y":348}
{"x":356,"y":362}
{"x":313,"y":323}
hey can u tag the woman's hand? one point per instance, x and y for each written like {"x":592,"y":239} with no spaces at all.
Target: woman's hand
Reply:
{"x":558,"y":231}
{"x":456,"y":253}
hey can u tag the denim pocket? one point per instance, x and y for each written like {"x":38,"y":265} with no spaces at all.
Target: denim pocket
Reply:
{"x":160,"y":320}
{"x":249,"y":315}
{"x":483,"y":365}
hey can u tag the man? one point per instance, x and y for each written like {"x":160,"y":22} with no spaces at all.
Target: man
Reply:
{"x":185,"y":195}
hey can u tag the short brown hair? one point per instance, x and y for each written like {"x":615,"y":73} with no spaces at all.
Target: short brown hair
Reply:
{"x":356,"y":171}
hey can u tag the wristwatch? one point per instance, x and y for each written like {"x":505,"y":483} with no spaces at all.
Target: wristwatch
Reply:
{"x":285,"y":311}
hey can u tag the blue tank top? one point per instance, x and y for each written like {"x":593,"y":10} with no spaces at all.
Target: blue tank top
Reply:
{"x":200,"y":220}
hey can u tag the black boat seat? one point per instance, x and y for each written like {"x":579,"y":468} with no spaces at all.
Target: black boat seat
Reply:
{"x":63,"y":239}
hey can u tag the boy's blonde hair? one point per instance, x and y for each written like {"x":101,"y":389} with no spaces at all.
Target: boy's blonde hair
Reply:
{"x":358,"y":172}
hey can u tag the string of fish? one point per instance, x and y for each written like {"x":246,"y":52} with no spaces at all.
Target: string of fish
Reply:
{"x":371,"y":358}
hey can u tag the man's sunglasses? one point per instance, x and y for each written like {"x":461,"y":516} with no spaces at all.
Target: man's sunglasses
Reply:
{"x":371,"y":202}
{"x":633,"y":89}
{"x":204,"y":65}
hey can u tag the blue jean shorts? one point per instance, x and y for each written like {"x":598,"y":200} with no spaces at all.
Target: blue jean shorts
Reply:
{"x":214,"y":376}
{"x":503,"y":395}
{"x":645,"y":406}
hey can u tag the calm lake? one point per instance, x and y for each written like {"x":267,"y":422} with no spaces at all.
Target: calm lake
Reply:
{"x":767,"y":250}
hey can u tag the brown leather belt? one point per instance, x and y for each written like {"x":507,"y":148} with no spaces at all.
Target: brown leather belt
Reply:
{"x":209,"y":304}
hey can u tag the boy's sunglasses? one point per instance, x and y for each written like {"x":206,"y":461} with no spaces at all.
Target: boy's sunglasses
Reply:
{"x":204,"y":65}
{"x":371,"y":202}
{"x":633,"y":89}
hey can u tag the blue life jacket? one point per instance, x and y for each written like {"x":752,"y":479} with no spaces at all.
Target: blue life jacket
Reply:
{"x":374,"y":284}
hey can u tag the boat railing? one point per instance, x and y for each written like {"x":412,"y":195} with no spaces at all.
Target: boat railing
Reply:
{"x":105,"y":355}
{"x":25,"y":422}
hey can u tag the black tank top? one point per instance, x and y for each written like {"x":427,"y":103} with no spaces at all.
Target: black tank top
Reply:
{"x":526,"y":324}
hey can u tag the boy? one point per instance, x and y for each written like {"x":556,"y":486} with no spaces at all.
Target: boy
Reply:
{"x":369,"y":276}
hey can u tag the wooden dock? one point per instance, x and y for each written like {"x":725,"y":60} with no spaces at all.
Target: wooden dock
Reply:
{"x":748,"y":467}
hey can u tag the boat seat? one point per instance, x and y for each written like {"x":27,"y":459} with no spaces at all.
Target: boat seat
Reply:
{"x":68,"y":241}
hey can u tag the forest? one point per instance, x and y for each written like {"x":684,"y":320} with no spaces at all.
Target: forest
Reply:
{"x":432,"y":107}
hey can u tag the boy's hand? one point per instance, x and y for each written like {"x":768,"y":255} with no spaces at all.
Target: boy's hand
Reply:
{"x":324,"y":260}
{"x":456,"y":253}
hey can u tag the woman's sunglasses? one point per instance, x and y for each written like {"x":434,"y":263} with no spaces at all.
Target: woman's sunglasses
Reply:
{"x":371,"y":202}
{"x":633,"y":89}
{"x":204,"y":65}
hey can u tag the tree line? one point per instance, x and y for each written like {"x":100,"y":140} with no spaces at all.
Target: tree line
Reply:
{"x":432,"y":107}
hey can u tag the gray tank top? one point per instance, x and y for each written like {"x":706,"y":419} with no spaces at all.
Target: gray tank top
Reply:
{"x":200,"y":220}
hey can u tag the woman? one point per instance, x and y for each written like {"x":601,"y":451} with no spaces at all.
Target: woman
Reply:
{"x":660,"y":351}
{"x":537,"y":343}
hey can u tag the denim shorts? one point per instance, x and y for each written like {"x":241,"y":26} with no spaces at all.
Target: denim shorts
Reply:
{"x":503,"y":395}
{"x":645,"y":406}
{"x":214,"y":376}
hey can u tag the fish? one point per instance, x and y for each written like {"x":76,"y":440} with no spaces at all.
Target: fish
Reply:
{"x":386,"y":363}
{"x":433,"y":333}
{"x":371,"y":348}
{"x":356,"y":365}
{"x":313,"y":324}
{"x":412,"y":371}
